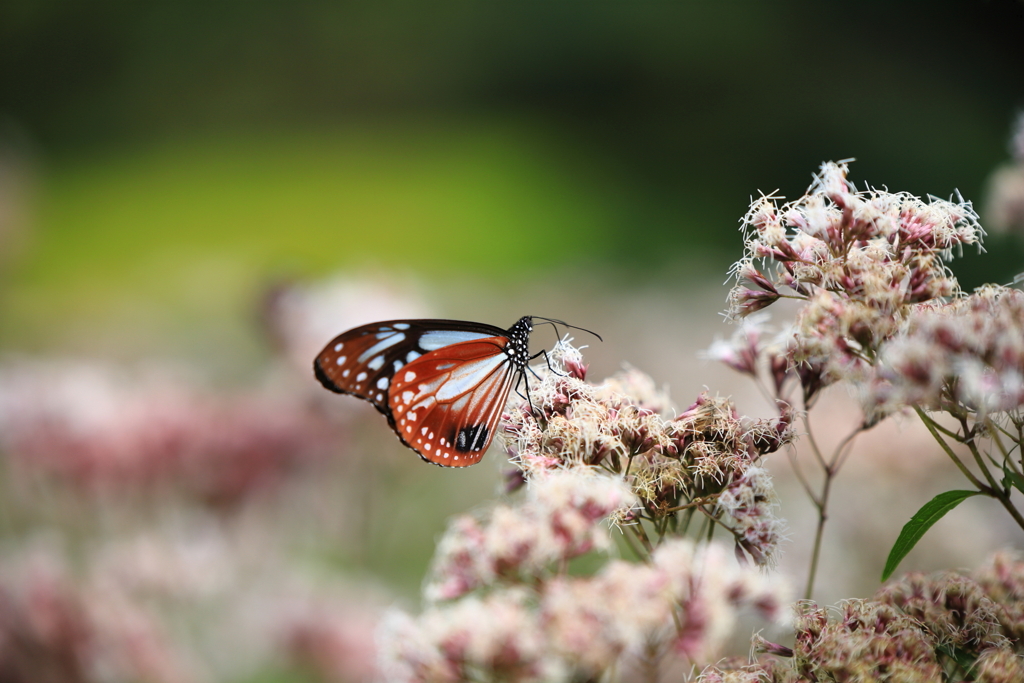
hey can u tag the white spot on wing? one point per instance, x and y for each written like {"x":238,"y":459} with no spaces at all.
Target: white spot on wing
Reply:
{"x":338,"y":347}
{"x":411,"y":356}
{"x":361,"y":376}
{"x":382,"y":383}
{"x":376,"y":364}
{"x":341,"y":360}
{"x":401,"y":326}
{"x":346,"y":373}
{"x":409,"y":375}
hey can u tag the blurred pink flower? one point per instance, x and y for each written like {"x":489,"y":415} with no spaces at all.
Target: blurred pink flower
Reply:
{"x":681,"y":604}
{"x":336,"y":644}
{"x":55,"y":631}
{"x":301,"y":319}
{"x":969,"y":350}
{"x":100,"y":430}
{"x":1004,"y":205}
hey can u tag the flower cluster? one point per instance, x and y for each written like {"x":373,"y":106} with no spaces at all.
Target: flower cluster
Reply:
{"x":880,"y":310}
{"x":969,"y":351}
{"x":706,"y":458}
{"x":921,"y":628}
{"x":561,"y":628}
{"x":558,"y":520}
{"x":683,"y":602}
{"x":860,"y":260}
{"x":502,"y":603}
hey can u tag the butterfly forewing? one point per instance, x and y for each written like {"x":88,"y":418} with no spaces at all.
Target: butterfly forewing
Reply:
{"x":446,"y":405}
{"x":363,"y":361}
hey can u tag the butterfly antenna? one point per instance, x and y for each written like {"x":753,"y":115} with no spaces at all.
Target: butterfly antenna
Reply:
{"x":555,"y":323}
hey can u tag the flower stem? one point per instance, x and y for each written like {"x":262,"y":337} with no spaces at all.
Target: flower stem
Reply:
{"x":994,"y":489}
{"x":930,"y":424}
{"x":822,"y":505}
{"x":830,"y":469}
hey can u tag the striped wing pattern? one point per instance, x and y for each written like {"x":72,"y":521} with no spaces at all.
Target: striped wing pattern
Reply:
{"x":446,"y":405}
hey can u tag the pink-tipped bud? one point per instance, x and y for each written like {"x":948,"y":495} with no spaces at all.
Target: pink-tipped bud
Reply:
{"x":770,"y":648}
{"x":747,"y":301}
{"x":778,"y":366}
{"x":575,"y":368}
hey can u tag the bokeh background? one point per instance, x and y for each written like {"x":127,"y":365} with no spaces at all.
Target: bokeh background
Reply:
{"x":195,"y":197}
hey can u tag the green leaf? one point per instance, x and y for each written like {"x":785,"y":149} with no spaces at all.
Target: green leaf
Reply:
{"x":963,"y":659}
{"x":921,"y":522}
{"x":1011,"y":478}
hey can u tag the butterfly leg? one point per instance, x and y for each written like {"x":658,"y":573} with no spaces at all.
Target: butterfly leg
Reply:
{"x":524,"y":378}
{"x":547,"y":361}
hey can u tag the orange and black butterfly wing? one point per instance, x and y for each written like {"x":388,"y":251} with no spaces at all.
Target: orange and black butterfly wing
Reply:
{"x":446,"y":405}
{"x":363,"y":361}
{"x":442,"y":384}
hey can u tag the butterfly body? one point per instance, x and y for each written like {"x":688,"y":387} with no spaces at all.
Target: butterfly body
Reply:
{"x":442,"y":384}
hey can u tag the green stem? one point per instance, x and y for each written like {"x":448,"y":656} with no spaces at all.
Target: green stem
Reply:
{"x":830,"y":470}
{"x":801,"y":478}
{"x":631,"y":542}
{"x":972,"y":445}
{"x":641,"y":534}
{"x":994,"y":431}
{"x":818,"y":536}
{"x":995,"y":490}
{"x":930,"y":424}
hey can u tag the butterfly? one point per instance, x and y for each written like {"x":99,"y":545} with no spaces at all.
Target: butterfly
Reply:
{"x":442,"y":384}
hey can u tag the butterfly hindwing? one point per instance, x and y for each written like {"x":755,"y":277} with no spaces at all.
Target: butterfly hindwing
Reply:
{"x":446,"y":405}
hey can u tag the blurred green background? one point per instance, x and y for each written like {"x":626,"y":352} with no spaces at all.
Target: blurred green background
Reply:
{"x":181,"y":153}
{"x":162,"y":165}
